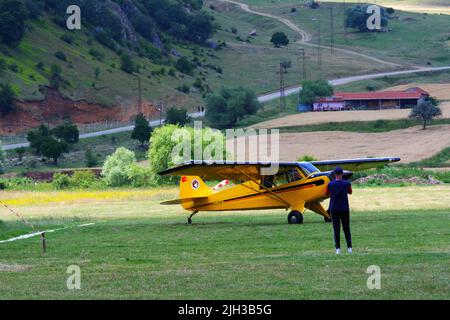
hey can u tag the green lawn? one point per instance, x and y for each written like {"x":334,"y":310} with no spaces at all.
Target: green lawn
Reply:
{"x":139,"y":250}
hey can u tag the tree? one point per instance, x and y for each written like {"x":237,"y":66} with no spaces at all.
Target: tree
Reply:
{"x":142,"y":130}
{"x":13,"y":14}
{"x":126,"y":63}
{"x":425,"y":111}
{"x":279,"y":39}
{"x":177,"y":116}
{"x":97,"y":73}
{"x":55,"y":76}
{"x":185,"y":66}
{"x":37,"y":137}
{"x":313,"y":89}
{"x":91,"y":159}
{"x":199,"y":29}
{"x":68,"y":132}
{"x":7,"y":96}
{"x":357,"y":16}
{"x":225,"y":108}
{"x":116,"y":169}
{"x":390,"y":11}
{"x":20,"y":152}
{"x":52,"y":148}
{"x":163,"y":153}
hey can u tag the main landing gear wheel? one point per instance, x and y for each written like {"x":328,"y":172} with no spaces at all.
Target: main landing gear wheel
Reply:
{"x":295,"y":217}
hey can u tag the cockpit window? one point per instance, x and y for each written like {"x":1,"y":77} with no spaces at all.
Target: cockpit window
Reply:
{"x":308,"y":168}
{"x":281,"y":178}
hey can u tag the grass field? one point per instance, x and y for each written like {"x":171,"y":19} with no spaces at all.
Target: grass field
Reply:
{"x":138,"y":249}
{"x":415,"y":38}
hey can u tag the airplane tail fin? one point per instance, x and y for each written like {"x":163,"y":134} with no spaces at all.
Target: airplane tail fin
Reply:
{"x":193,"y":187}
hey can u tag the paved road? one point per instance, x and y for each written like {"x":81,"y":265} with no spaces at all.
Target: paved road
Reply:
{"x":102,"y":133}
{"x":293,"y":90}
{"x":262,"y":98}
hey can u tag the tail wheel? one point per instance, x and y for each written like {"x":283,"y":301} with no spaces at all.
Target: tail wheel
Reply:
{"x":295,"y":217}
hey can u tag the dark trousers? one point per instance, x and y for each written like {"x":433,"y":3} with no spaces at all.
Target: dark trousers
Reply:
{"x":337,"y":217}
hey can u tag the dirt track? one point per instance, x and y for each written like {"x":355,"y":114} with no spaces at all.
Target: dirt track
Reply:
{"x":439,"y":90}
{"x":410,"y":144}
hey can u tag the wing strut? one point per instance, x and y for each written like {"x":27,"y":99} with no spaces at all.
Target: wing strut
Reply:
{"x":264,"y":187}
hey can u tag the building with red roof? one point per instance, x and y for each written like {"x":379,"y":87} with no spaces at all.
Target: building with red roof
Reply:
{"x":379,"y":100}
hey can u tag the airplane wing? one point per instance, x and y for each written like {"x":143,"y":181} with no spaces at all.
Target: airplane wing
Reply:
{"x":354,"y":164}
{"x":219,"y":170}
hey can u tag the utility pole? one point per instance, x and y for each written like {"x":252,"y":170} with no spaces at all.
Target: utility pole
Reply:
{"x":282,"y":89}
{"x":302,"y":50}
{"x":332,"y":29}
{"x":161,"y":108}
{"x":345,"y":20}
{"x":139,"y":95}
{"x":319,"y":50}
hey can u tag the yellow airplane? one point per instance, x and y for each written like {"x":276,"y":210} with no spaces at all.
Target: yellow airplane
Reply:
{"x":296,"y":186}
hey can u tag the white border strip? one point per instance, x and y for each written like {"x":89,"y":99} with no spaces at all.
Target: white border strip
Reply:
{"x":34,"y":234}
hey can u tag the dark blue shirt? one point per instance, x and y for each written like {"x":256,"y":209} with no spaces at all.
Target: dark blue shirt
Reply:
{"x":338,"y":191}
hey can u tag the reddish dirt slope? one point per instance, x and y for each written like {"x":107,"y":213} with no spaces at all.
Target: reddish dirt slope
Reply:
{"x":55,"y":108}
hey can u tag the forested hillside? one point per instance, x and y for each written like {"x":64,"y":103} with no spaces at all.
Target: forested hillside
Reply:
{"x":119,"y":41}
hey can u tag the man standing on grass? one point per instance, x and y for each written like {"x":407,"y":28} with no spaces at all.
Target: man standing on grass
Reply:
{"x":338,"y":190}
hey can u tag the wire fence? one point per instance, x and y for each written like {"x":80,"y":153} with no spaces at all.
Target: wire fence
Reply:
{"x":83,"y":128}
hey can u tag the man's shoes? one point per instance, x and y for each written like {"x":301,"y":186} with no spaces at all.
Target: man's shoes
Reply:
{"x":338,"y":251}
{"x":350,"y":250}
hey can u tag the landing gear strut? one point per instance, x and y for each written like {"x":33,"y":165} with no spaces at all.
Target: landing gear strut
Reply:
{"x":190,"y":217}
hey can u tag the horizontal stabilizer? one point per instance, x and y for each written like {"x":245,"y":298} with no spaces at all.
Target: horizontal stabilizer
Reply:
{"x":181,"y":201}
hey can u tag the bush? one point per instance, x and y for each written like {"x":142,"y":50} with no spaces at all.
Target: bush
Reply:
{"x":83,"y":179}
{"x":60,"y":55}
{"x":96,"y":54}
{"x":67,"y":38}
{"x":17,"y":183}
{"x":127,"y":64}
{"x":185,"y":66}
{"x":116,"y":169}
{"x":61,"y":181}
{"x":91,"y":159}
{"x":307,"y":158}
{"x":139,"y":176}
{"x":184,"y":88}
